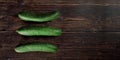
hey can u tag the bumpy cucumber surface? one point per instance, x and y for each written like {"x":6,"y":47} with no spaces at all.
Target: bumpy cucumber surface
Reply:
{"x":38,"y":31}
{"x":36,"y":47}
{"x":29,"y":16}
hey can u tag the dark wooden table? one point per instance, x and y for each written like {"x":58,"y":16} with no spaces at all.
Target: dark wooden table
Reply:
{"x":91,"y":29}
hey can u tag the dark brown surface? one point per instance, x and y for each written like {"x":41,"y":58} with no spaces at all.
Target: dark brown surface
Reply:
{"x":91,"y":29}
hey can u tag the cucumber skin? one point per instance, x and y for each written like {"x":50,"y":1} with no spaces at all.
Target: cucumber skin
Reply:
{"x":28,"y":16}
{"x":38,"y":31}
{"x":36,"y":47}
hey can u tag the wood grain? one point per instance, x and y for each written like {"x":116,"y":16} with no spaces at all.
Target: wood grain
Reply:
{"x":8,"y":0}
{"x":72,"y":19}
{"x":63,"y":2}
{"x":71,"y":2}
{"x":75,"y":46}
{"x":90,"y":29}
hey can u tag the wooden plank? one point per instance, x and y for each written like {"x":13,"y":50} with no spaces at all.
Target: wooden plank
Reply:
{"x":70,"y":45}
{"x":67,"y":40}
{"x":99,"y":38}
{"x":62,"y":2}
{"x":71,"y":2}
{"x":7,"y":0}
{"x":72,"y":19}
{"x":90,"y":29}
{"x":85,"y":55}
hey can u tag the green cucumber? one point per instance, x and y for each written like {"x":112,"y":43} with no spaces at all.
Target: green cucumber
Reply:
{"x":38,"y":31}
{"x":29,"y":16}
{"x":36,"y":47}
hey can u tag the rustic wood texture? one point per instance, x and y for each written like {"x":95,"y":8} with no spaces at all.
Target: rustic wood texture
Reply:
{"x":90,"y":29}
